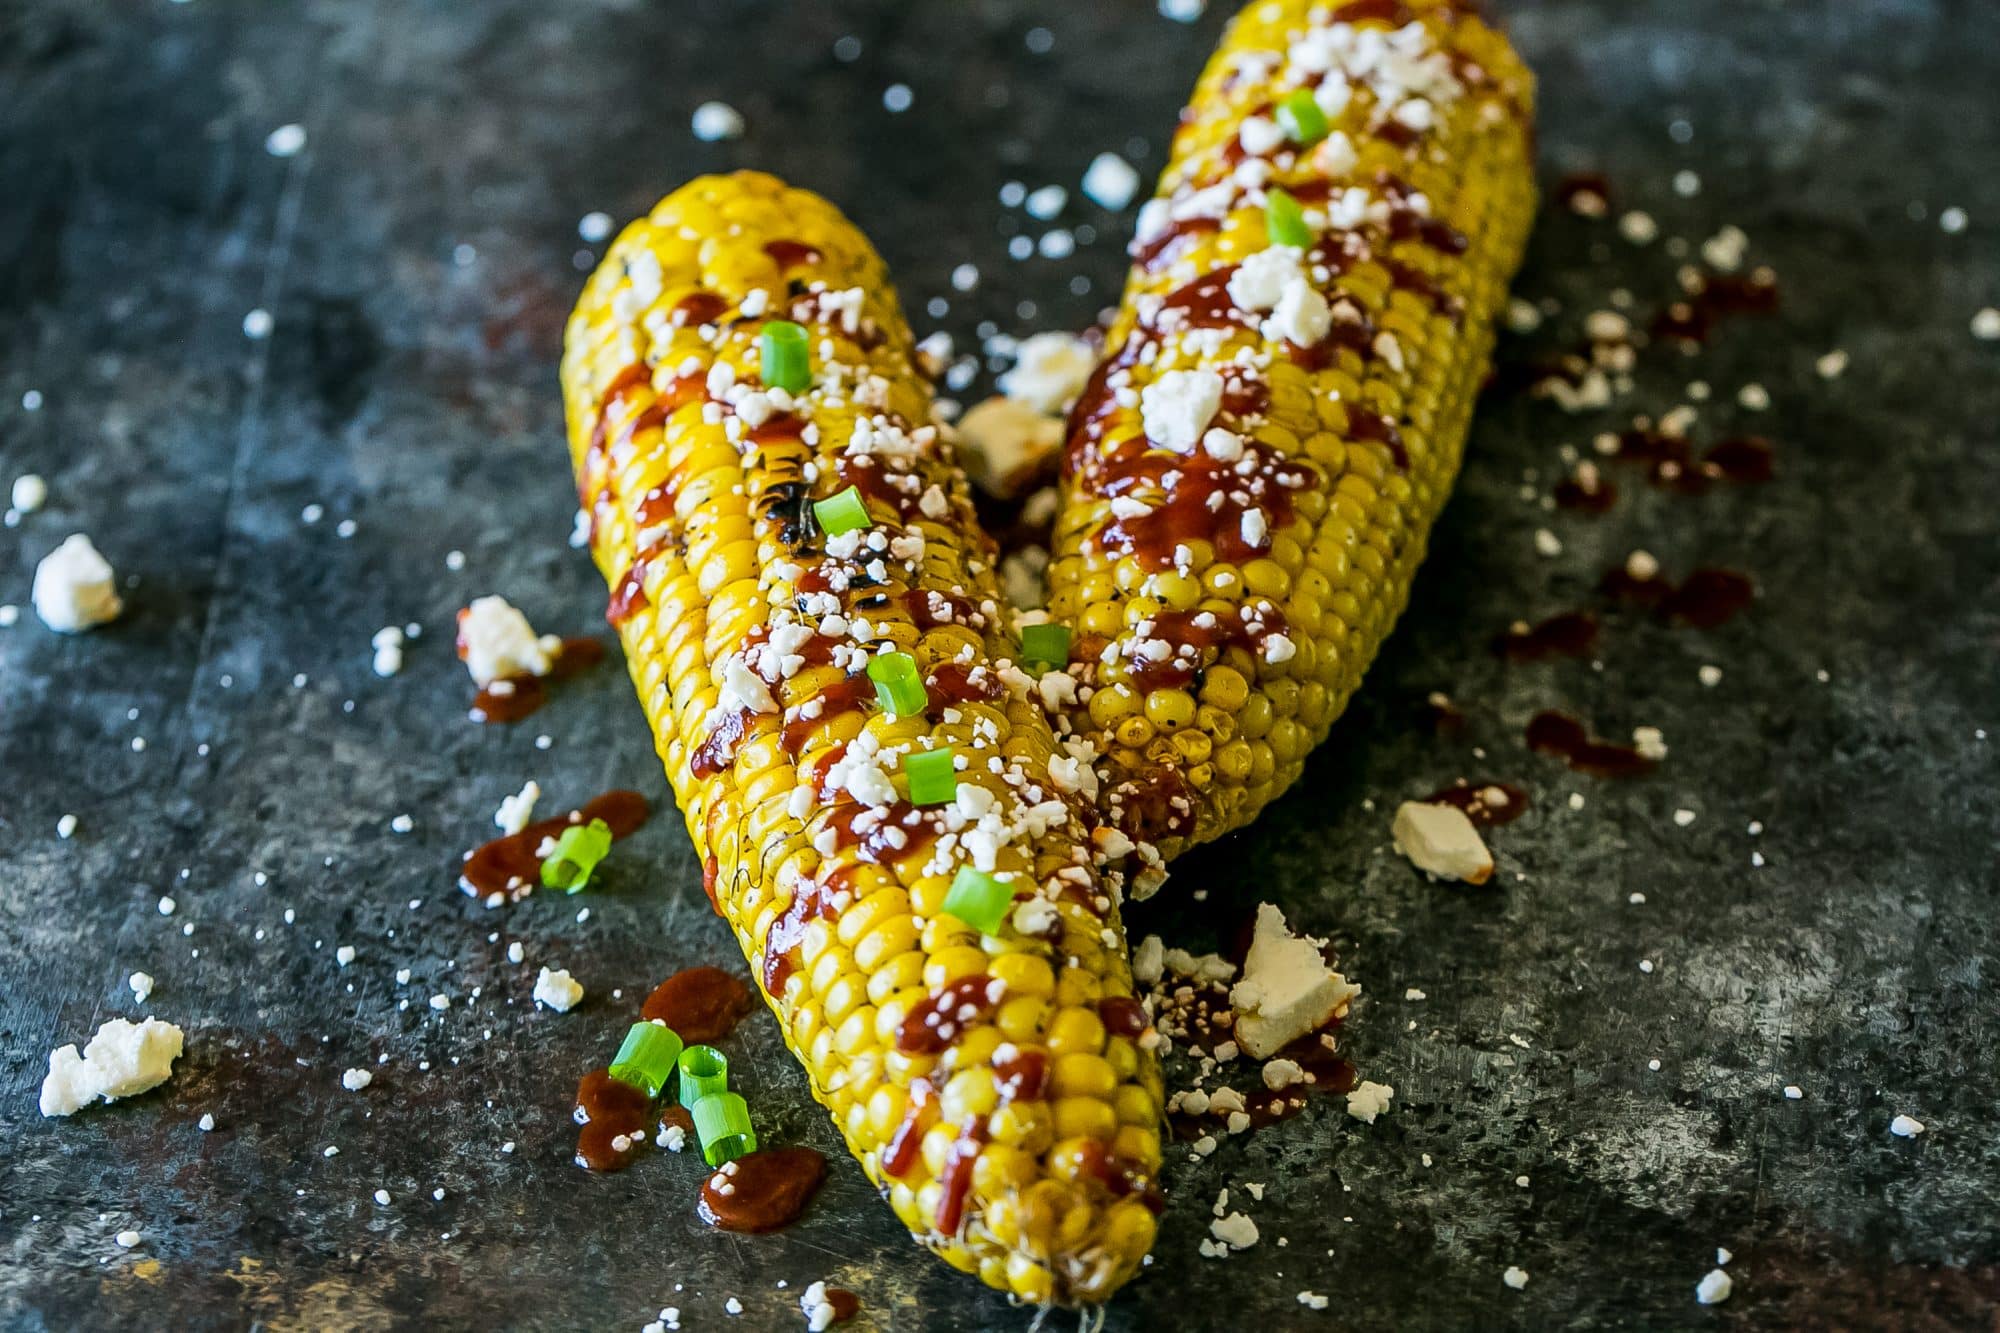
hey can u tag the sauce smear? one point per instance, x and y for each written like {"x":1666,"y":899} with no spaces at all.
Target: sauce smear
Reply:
{"x":614,"y":1117}
{"x":512,"y":864}
{"x":512,"y":698}
{"x":763,"y":1190}
{"x":1566,"y":737}
{"x":701,"y":1004}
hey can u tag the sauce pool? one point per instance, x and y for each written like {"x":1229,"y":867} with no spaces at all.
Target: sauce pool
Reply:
{"x":763,"y":1190}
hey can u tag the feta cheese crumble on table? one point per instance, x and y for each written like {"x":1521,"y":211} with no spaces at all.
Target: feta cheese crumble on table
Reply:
{"x":1110,"y":182}
{"x":1368,"y":1101}
{"x":29,"y":493}
{"x":1287,"y":990}
{"x":558,"y":990}
{"x":496,"y":641}
{"x":715,"y":121}
{"x":1714,"y":1287}
{"x":1442,"y":841}
{"x":75,"y":587}
{"x":122,"y":1060}
{"x":1006,"y":445}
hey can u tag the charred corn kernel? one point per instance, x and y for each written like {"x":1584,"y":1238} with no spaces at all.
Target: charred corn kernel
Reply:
{"x":699,"y":475}
{"x":1309,"y":476}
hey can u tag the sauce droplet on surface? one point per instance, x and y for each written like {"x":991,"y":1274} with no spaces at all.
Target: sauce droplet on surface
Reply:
{"x":701,"y":1004}
{"x":512,"y":864}
{"x":763,"y":1190}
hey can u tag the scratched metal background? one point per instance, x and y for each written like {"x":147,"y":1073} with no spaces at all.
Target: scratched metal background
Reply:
{"x":140,"y":219}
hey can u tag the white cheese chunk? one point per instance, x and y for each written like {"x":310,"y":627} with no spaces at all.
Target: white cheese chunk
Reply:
{"x":557,"y":989}
{"x":1287,"y":989}
{"x":496,"y":641}
{"x":1004,"y":444}
{"x":1260,"y":281}
{"x":1441,"y":840}
{"x":1368,"y":1101}
{"x":1177,"y":407}
{"x":1050,"y":370}
{"x":518,"y":810}
{"x":1110,"y":181}
{"x":122,"y":1060}
{"x":1301,"y":316}
{"x":75,"y":587}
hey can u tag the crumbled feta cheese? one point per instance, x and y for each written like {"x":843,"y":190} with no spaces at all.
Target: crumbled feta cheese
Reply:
{"x":1287,"y":989}
{"x":354,"y":1080}
{"x":75,"y":588}
{"x":1005,"y":444}
{"x":715,"y":121}
{"x":1148,"y":960}
{"x":496,"y":641}
{"x":1043,"y":204}
{"x":1650,"y":743}
{"x":1301,"y":316}
{"x":1110,"y":181}
{"x":518,"y":810}
{"x":1177,"y":407}
{"x":142,"y":986}
{"x":1236,"y":1231}
{"x":558,"y":990}
{"x":1442,"y":841}
{"x":1368,"y":1101}
{"x":1261,"y":280}
{"x":285,"y":141}
{"x":128,"y":1239}
{"x":388,"y":645}
{"x":1714,"y":1287}
{"x":1259,"y":135}
{"x":29,"y":493}
{"x":1050,"y":370}
{"x":1906,"y":1127}
{"x":1986,"y":325}
{"x":1517,"y":1278}
{"x":122,"y":1060}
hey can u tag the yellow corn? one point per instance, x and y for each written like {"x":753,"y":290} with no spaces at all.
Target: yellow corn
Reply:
{"x":1225,"y":607}
{"x":997,"y":1139}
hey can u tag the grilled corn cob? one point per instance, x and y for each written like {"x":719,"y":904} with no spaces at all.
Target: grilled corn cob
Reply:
{"x":997,"y":1088}
{"x":1253,"y":472}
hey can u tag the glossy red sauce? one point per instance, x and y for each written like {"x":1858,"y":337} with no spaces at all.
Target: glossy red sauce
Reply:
{"x":791,"y":254}
{"x":513,"y":863}
{"x":1573,"y":189}
{"x":854,"y":825}
{"x":956,"y":1178}
{"x":1487,"y":803}
{"x":1123,"y":1016}
{"x":956,"y":683}
{"x":812,"y":902}
{"x":1022,"y":1076}
{"x":763,"y":1190}
{"x":1566,"y":737}
{"x":1704,"y":599}
{"x":1180,"y":629}
{"x":906,"y":1144}
{"x":1204,"y":303}
{"x":847,"y":695}
{"x":525,"y":693}
{"x":936,"y":1021}
{"x":717,"y":750}
{"x":1568,"y":634}
{"x":621,"y":384}
{"x":613,"y":1118}
{"x":1694,"y":318}
{"x":1362,"y":425}
{"x":845,"y":1303}
{"x":1195,"y":497}
{"x":701,"y":1004}
{"x":699,"y":308}
{"x":1173,"y":240}
{"x":1588,"y":493}
{"x":629,"y":598}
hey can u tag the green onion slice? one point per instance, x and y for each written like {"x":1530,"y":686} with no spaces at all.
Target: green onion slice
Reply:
{"x":933,"y":775}
{"x":722,"y":1122}
{"x":646,"y":1057}
{"x":783,"y":363}
{"x":1302,"y":118}
{"x":576,"y":855}
{"x":898,"y":685}
{"x":979,"y":900}
{"x":704,"y":1073}
{"x":841,"y":512}
{"x":1285,"y":221}
{"x":1045,"y":645}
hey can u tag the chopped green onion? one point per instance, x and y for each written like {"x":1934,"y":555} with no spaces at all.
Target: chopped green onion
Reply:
{"x":577,"y":853}
{"x":841,"y":512}
{"x":704,"y":1072}
{"x":1284,"y":220}
{"x":782,"y":357}
{"x":722,"y":1122}
{"x":898,"y":685}
{"x":978,"y":899}
{"x":646,"y":1057}
{"x":1302,"y":118}
{"x":933,"y":777}
{"x":1045,"y":645}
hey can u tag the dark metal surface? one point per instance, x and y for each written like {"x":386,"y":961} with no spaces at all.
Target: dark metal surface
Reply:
{"x":415,"y":394}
